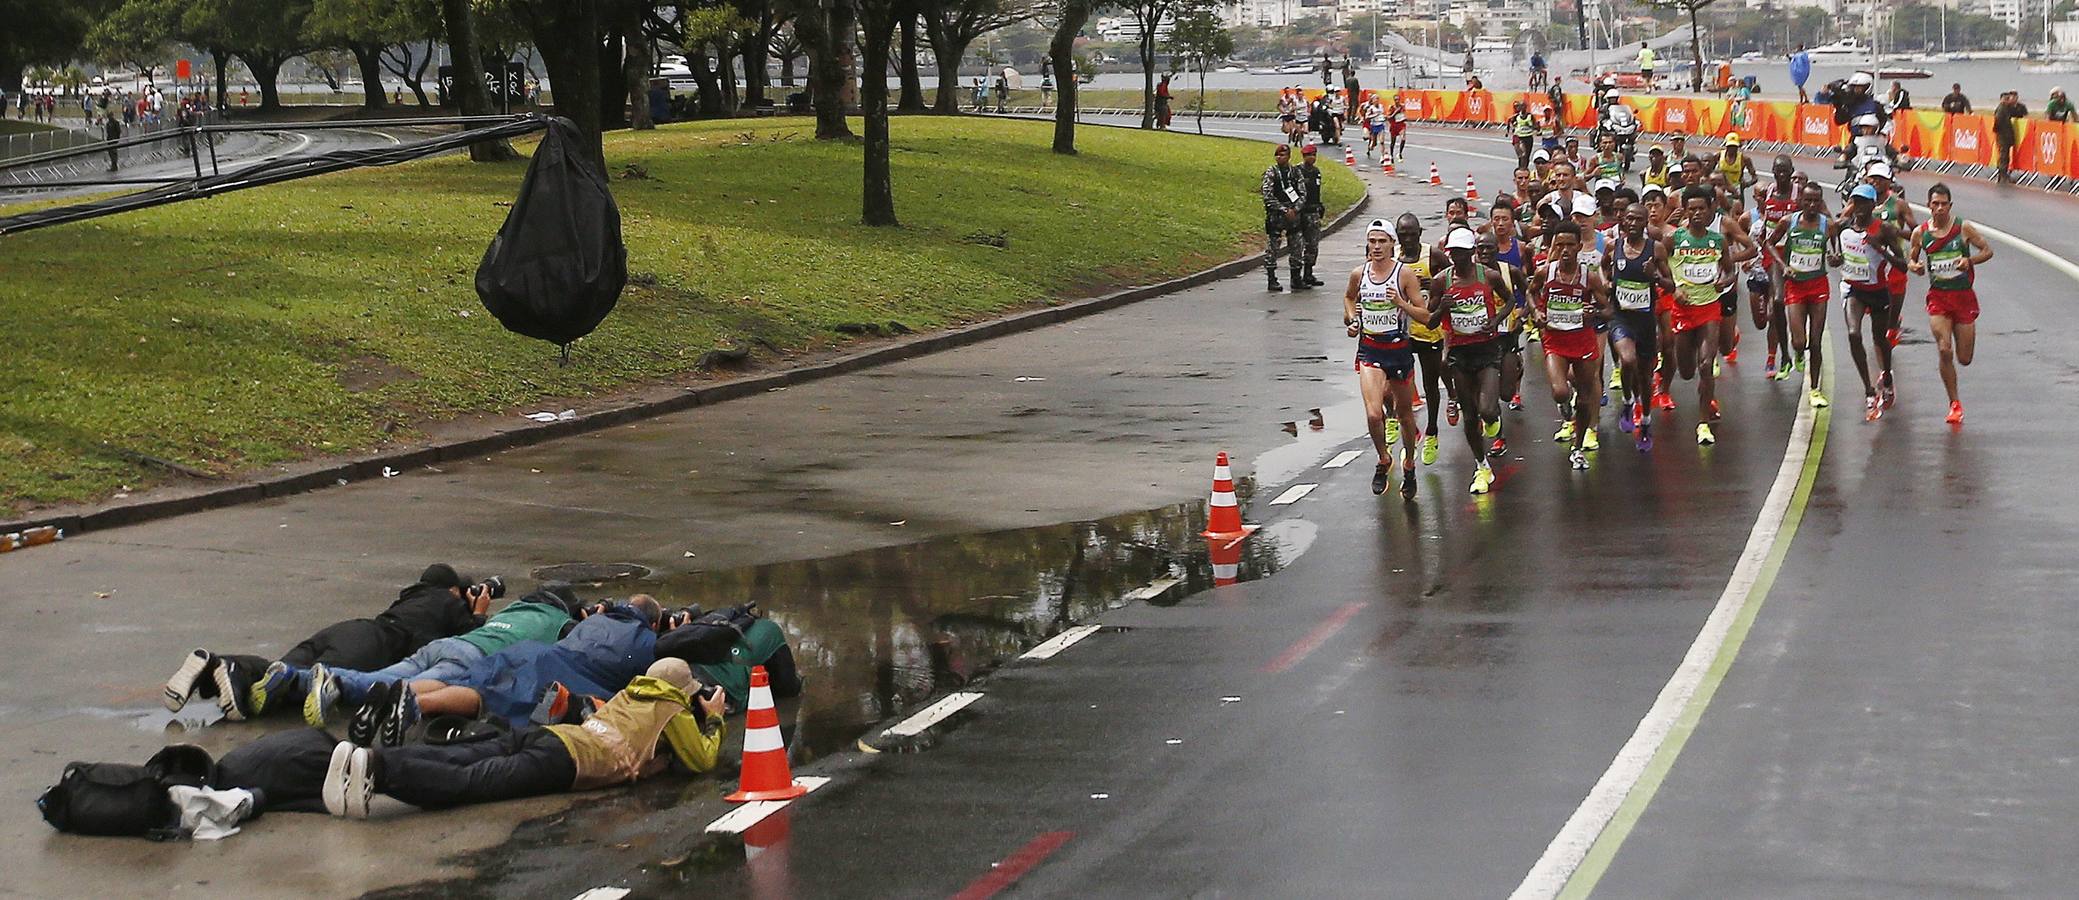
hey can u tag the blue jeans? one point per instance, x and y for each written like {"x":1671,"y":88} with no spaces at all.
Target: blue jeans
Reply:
{"x":443,"y":660}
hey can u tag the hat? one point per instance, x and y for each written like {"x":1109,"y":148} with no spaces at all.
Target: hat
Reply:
{"x":1604,"y":184}
{"x":441,"y":575}
{"x":1461,"y":239}
{"x":1584,"y":205}
{"x":1656,"y":148}
{"x":1865,"y":192}
{"x":1379,"y":226}
{"x":1652,"y":189}
{"x":1309,"y":149}
{"x":1733,"y":139}
{"x":1878,"y":169}
{"x":1861,"y":78}
{"x":1541,"y":155}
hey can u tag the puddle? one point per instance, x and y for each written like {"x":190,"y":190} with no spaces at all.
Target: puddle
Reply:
{"x":878,"y":632}
{"x":590,"y":573}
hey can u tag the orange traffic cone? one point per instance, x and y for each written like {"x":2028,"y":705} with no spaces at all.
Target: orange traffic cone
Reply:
{"x":1472,"y":191}
{"x":765,"y":775}
{"x":1350,"y":157}
{"x":1435,"y":177}
{"x":1386,"y":165}
{"x":1226,"y":554}
{"x":1224,"y":517}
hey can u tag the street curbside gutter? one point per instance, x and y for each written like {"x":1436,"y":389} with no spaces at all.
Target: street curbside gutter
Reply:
{"x":332,"y":473}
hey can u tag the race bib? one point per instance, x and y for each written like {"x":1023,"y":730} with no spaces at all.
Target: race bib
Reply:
{"x":1699,"y":273}
{"x":1945,"y":266}
{"x":1807,"y":262}
{"x":1381,"y":321}
{"x":1856,"y":268}
{"x":1563,"y":318}
{"x":1469,"y":321}
{"x":1634,"y":296}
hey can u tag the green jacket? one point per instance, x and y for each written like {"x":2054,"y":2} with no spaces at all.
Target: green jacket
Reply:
{"x":758,"y":644}
{"x":520,"y":620}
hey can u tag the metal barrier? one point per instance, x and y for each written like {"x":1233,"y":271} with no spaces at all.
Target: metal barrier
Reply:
{"x":34,"y":158}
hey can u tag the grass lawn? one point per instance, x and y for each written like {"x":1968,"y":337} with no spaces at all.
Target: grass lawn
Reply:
{"x":337,"y":313}
{"x":18,"y":126}
{"x":1183,"y":92}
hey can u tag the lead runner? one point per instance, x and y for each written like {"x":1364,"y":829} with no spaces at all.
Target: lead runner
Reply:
{"x":1382,"y":296}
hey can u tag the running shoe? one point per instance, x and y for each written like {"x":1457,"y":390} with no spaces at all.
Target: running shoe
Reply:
{"x":1892,"y":336}
{"x":1704,"y":436}
{"x":1819,"y":400}
{"x":1590,"y":442}
{"x":1606,"y":399}
{"x":1645,"y":441}
{"x":400,"y":714}
{"x":1887,"y":395}
{"x":273,"y":684}
{"x":1714,"y":416}
{"x":1870,"y":410}
{"x":1732,"y":357}
{"x":367,"y":720}
{"x":232,"y":684}
{"x":1624,"y":417}
{"x":1617,"y":379}
{"x":1516,"y":402}
{"x":349,"y":783}
{"x":1769,"y":366}
{"x":1483,"y":479}
{"x":182,"y":685}
{"x":1955,"y":416}
{"x":1491,"y":429}
{"x":1429,"y":449}
{"x":1786,"y":373}
{"x":1382,"y":474}
{"x":1664,"y":400}
{"x":1717,"y":367}
{"x":1565,"y":433}
{"x":1407,"y":483}
{"x":1451,"y":412}
{"x":1578,"y":459}
{"x":323,"y":693}
{"x":1499,"y":447}
{"x":1392,"y":430}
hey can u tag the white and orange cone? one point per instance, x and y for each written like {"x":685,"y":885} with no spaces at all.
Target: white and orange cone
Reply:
{"x":1472,"y":191}
{"x":1226,"y":556}
{"x":1436,"y":178}
{"x":1350,"y":157}
{"x":1223,"y":515}
{"x":765,"y":774}
{"x":1386,"y":164}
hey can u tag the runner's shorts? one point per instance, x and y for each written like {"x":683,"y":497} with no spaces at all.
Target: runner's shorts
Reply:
{"x":1375,"y":128}
{"x":1895,"y":282}
{"x":1875,"y":300}
{"x":1575,"y":343}
{"x":1813,"y":291}
{"x":1471,"y":358}
{"x":1960,"y":306}
{"x":1729,"y":303}
{"x":1637,"y":326}
{"x":1397,"y":362}
{"x":1399,"y":128}
{"x":1690,"y":318}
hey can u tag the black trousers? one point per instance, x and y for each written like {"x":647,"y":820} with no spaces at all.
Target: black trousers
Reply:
{"x":527,"y":763}
{"x":362,"y":645}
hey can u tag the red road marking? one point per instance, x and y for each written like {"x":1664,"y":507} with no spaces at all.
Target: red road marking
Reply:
{"x":1313,"y":640}
{"x":1015,"y":866}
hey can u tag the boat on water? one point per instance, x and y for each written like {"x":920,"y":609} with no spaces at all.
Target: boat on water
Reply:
{"x":1902,"y":73}
{"x":1846,"y":46}
{"x":1752,"y":56}
{"x":1302,"y":65}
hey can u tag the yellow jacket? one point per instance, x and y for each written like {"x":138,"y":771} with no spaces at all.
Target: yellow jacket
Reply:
{"x":619,"y":742}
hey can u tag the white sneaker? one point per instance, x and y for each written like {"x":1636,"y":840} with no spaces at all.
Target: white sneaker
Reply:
{"x":182,"y":685}
{"x":347,"y":784}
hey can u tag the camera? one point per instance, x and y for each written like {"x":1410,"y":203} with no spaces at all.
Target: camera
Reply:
{"x":495,"y":584}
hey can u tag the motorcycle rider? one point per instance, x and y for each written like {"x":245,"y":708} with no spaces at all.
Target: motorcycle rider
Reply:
{"x":1620,"y":123}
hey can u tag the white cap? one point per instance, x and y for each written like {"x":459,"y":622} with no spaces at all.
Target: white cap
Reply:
{"x":1878,"y":169}
{"x":1652,"y":189}
{"x":1541,"y":154}
{"x":1861,"y":78}
{"x":1604,"y":184}
{"x":1866,"y":119}
{"x":1584,"y":205}
{"x":1461,"y":239}
{"x":1378,"y":226}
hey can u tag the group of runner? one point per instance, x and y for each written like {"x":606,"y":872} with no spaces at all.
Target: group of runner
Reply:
{"x":1646,"y":280}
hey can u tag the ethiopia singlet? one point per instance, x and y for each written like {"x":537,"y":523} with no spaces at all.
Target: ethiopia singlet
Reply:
{"x":1805,"y":251}
{"x":1859,"y":260}
{"x":1429,"y":334}
{"x":1945,"y":257}
{"x":1382,"y":323}
{"x":1695,"y":260}
{"x":1566,"y":313}
{"x":1471,"y":309}
{"x":1634,"y":290}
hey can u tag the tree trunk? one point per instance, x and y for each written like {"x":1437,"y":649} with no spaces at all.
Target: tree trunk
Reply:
{"x":635,"y":74}
{"x":829,"y":28}
{"x":369,"y":59}
{"x":567,"y":35}
{"x":877,"y":207}
{"x":613,"y":88}
{"x":221,"y":59}
{"x":1061,"y":49}
{"x":948,"y":49}
{"x":266,"y":68}
{"x":11,"y":67}
{"x":1202,"y":96}
{"x":468,"y":81}
{"x":1147,"y":76}
{"x":1696,"y":52}
{"x":726,"y":76}
{"x":417,"y":79}
{"x":756,"y":50}
{"x":786,"y":71}
{"x":912,"y":99}
{"x":707,"y":89}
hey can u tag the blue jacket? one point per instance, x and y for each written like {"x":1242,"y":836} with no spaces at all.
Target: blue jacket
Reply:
{"x":597,"y":658}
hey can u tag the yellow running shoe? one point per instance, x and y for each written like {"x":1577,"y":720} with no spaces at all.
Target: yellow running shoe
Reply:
{"x":1589,"y":442}
{"x":1392,"y":431}
{"x":1565,"y":434}
{"x":1819,"y":400}
{"x":1483,"y":479}
{"x":1617,"y":381}
{"x":1429,"y":449}
{"x":1704,"y":437}
{"x":1491,"y":429}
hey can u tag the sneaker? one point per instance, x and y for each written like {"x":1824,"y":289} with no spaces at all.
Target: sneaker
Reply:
{"x":348,"y":784}
{"x":1645,"y":441}
{"x":1617,"y":379}
{"x":1407,"y":483}
{"x":1819,"y":400}
{"x":1451,"y":412}
{"x":1732,"y":357}
{"x":1605,"y":399}
{"x":1955,"y":416}
{"x":1769,"y":366}
{"x":1590,"y":442}
{"x":1892,"y":336}
{"x":1704,"y":437}
{"x":1664,"y":400}
{"x":1887,"y":395}
{"x":1491,"y":429}
{"x":1717,"y":367}
{"x":1870,"y":411}
{"x":1392,"y":430}
{"x":399,"y":715}
{"x":1786,"y":373}
{"x":1578,"y":459}
{"x":192,"y":669}
{"x":555,"y":706}
{"x":272,"y":686}
{"x":363,"y":725}
{"x":1382,"y":475}
{"x":1483,"y":479}
{"x":1565,"y":434}
{"x":1516,"y":402}
{"x":323,"y":694}
{"x":1714,"y":416}
{"x":1499,"y":447}
{"x":233,"y":683}
{"x":1429,"y":449}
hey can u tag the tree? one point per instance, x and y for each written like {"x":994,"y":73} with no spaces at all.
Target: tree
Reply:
{"x":1149,"y":15}
{"x":826,"y":29}
{"x":1200,"y":41}
{"x":368,"y":29}
{"x":569,"y":35}
{"x":786,"y":48}
{"x":137,"y":35}
{"x":912,"y":99}
{"x":954,"y":25}
{"x":459,"y":21}
{"x":1062,"y":49}
{"x":1696,"y":46}
{"x":43,"y":32}
{"x":263,"y":33}
{"x":878,"y":20}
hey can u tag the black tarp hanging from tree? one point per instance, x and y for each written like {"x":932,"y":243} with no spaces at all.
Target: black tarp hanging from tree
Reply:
{"x":558,"y":265}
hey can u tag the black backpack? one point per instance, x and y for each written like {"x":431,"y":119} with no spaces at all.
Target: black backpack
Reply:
{"x":122,"y":800}
{"x":708,"y":638}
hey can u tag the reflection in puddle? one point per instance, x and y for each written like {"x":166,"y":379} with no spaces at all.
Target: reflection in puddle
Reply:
{"x":878,"y":632}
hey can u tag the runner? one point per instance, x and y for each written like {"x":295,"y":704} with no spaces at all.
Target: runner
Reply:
{"x":1473,"y":294}
{"x":1774,"y":203}
{"x":1801,"y":242}
{"x":1374,"y":124}
{"x":1428,"y":337}
{"x":1702,"y":261}
{"x":1568,"y":303}
{"x":1728,"y":213}
{"x":1382,"y":296}
{"x":1523,"y":132}
{"x":1949,"y":250}
{"x":1893,"y":209}
{"x":1657,"y":171}
{"x":1527,"y":189}
{"x":1737,"y":167}
{"x":1864,"y":244}
{"x":1397,"y":128}
{"x":1638,"y":268}
{"x":1509,"y":252}
{"x":1289,"y":106}
{"x":1661,"y":222}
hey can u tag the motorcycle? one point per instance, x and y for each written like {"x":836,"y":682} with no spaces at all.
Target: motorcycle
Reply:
{"x":1864,"y":150}
{"x":1618,"y":122}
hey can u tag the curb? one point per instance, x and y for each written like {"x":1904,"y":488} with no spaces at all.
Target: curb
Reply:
{"x":362,"y":468}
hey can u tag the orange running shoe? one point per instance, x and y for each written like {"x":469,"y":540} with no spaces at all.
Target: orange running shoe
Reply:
{"x":1955,"y":416}
{"x":1733,"y":356}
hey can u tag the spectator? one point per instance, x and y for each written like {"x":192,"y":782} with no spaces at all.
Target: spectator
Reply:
{"x":1646,"y":61}
{"x":1800,"y":70}
{"x":1956,"y":102}
{"x":1537,"y":70}
{"x":2003,"y":130}
{"x":1003,"y":92}
{"x":1900,"y":98}
{"x":114,"y":130}
{"x":1162,"y":103}
{"x":1046,"y":85}
{"x":2059,"y":109}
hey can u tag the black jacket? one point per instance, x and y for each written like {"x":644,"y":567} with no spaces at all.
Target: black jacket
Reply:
{"x":425,"y":613}
{"x":1310,"y":190}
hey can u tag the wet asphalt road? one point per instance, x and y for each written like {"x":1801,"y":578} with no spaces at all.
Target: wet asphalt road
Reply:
{"x":1425,"y":693}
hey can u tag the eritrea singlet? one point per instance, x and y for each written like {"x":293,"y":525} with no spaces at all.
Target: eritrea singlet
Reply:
{"x":1859,"y":260}
{"x":1565,"y":303}
{"x":1382,"y":323}
{"x":1471,"y":310}
{"x":1634,"y":290}
{"x":1695,"y":260}
{"x":1945,"y":257}
{"x":1416,"y":330}
{"x":1805,"y":251}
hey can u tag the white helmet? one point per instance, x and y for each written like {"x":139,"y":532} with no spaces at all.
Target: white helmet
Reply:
{"x":1866,"y":120}
{"x":1863,"y":79}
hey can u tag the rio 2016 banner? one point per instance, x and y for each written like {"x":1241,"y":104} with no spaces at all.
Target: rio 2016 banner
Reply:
{"x":2049,"y":148}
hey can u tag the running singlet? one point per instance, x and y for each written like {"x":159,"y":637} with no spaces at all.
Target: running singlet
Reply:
{"x":1417,"y":331}
{"x":1858,"y":259}
{"x":1731,"y":168}
{"x":1695,"y":260}
{"x":1806,"y":249}
{"x":1945,"y":257}
{"x":1525,"y":126}
{"x":1382,"y":322}
{"x":1565,"y":308}
{"x":1659,"y":178}
{"x":1373,"y":115}
{"x":1591,"y":256}
{"x":1513,"y":257}
{"x":1470,"y":307}
{"x":1612,"y":169}
{"x":1634,"y":285}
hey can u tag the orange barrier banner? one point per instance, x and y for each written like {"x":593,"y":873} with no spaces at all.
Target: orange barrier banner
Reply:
{"x":1815,"y":126}
{"x":1415,"y":103}
{"x":2071,"y":149}
{"x":1968,"y":140}
{"x":1478,"y":106}
{"x":1709,"y":117}
{"x":1647,"y":109}
{"x":2043,"y":146}
{"x":1580,"y":111}
{"x":1675,"y":117}
{"x":1445,"y":106}
{"x":1770,"y":121}
{"x":1540,"y":105}
{"x":1920,"y":133}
